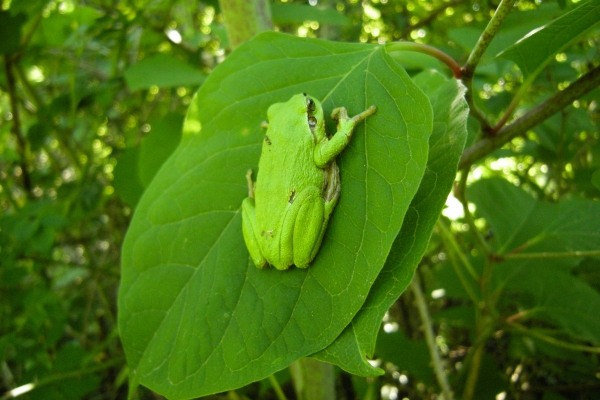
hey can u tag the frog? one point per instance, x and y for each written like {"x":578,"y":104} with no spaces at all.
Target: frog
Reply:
{"x":288,"y":208}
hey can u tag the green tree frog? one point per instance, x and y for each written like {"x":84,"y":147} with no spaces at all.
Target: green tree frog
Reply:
{"x":297,"y":186}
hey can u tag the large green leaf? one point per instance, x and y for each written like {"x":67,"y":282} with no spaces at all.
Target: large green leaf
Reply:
{"x":553,"y":295}
{"x":195,"y":315}
{"x":516,"y":218}
{"x":538,"y":47}
{"x":446,"y":144}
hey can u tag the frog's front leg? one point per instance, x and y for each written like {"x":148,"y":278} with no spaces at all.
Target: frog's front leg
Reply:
{"x":327,"y":150}
{"x":250,"y":225}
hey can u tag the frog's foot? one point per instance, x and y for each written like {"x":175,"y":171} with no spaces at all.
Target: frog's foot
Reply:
{"x":369,"y":111}
{"x":264,"y":125}
{"x":339,"y":113}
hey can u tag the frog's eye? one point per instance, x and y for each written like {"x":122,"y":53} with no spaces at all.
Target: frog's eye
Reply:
{"x":310,"y":105}
{"x":312,"y":122}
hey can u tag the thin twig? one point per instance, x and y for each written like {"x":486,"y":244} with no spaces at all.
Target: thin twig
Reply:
{"x":487,"y":36}
{"x":468,"y":71}
{"x":566,"y":254}
{"x":462,"y":197}
{"x":554,"y":341}
{"x":16,"y":126}
{"x":520,"y":126}
{"x":430,"y":338}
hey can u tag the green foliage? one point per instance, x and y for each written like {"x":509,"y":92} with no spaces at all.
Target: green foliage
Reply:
{"x":262,"y":320}
{"x":92,"y":101}
{"x":535,"y":50}
{"x":445,"y":147}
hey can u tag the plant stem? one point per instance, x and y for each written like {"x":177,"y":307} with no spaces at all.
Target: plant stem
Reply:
{"x":462,"y":197}
{"x":560,"y":100}
{"x":447,"y":235}
{"x":551,"y":340}
{"x":468,"y":71}
{"x":277,"y":388}
{"x":473,"y":375}
{"x":430,"y":338}
{"x":313,"y":379}
{"x":429,"y":50}
{"x":566,"y":254}
{"x":16,"y":126}
{"x":245,"y":19}
{"x":487,"y":36}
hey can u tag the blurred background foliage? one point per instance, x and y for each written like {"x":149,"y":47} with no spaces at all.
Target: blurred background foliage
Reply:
{"x":92,"y":98}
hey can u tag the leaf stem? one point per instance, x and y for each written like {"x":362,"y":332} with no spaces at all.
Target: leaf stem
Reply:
{"x":557,"y":102}
{"x":429,"y":50}
{"x":569,"y":254}
{"x":460,"y":193}
{"x":554,"y":341}
{"x":430,"y":338}
{"x":447,"y":235}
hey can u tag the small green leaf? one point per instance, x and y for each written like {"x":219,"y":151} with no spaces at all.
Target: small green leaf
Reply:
{"x":516,"y":218}
{"x":538,"y":47}
{"x":554,"y":296}
{"x":195,"y":315}
{"x":162,"y":70}
{"x":298,"y":13}
{"x":446,"y":145}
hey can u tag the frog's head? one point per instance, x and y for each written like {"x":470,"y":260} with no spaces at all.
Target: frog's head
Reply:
{"x":301,"y":110}
{"x":313,"y":112}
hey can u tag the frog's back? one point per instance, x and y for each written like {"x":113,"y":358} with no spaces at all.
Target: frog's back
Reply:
{"x":286,"y":167}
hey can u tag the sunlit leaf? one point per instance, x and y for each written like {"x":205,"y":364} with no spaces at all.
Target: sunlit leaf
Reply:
{"x":538,"y":47}
{"x":195,"y":315}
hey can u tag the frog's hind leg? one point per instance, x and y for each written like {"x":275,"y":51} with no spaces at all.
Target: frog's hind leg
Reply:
{"x":308,"y":227}
{"x":250,"y":228}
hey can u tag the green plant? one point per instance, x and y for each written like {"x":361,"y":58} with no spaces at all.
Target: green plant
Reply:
{"x":507,"y":287}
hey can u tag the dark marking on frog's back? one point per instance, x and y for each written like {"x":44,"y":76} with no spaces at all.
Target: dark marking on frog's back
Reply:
{"x":292,"y":195}
{"x":267,"y":140}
